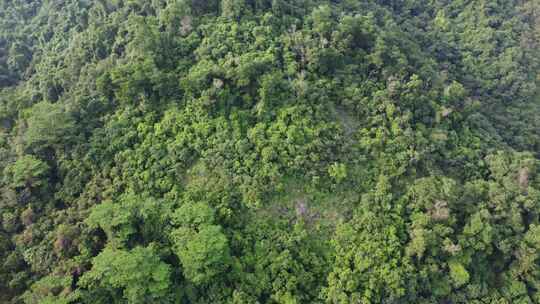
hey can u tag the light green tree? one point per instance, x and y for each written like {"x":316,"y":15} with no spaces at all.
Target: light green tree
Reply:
{"x":136,"y":276}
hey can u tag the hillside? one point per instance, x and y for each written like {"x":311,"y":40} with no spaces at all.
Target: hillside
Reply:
{"x":269,"y":151}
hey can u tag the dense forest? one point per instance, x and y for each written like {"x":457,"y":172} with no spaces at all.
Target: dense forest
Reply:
{"x":270,"y":151}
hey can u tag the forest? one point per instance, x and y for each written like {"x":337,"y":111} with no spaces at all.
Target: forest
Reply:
{"x":270,"y":151}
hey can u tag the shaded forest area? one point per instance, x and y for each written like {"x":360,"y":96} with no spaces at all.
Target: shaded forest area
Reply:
{"x":269,"y":151}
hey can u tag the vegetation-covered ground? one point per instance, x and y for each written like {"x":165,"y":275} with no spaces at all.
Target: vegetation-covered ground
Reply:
{"x":269,"y":151}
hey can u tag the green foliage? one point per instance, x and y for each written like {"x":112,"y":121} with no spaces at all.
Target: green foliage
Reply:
{"x":47,"y":125}
{"x":51,"y":289}
{"x":194,"y":215}
{"x":338,"y":172}
{"x":202,"y":247}
{"x":136,"y":276}
{"x":132,"y":219}
{"x":269,"y":151}
{"x":282,"y":263}
{"x":369,"y":265}
{"x":458,"y":273}
{"x":27,"y":171}
{"x":204,"y":254}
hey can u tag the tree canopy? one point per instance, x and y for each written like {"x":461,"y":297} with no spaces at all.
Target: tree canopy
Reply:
{"x":269,"y":151}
